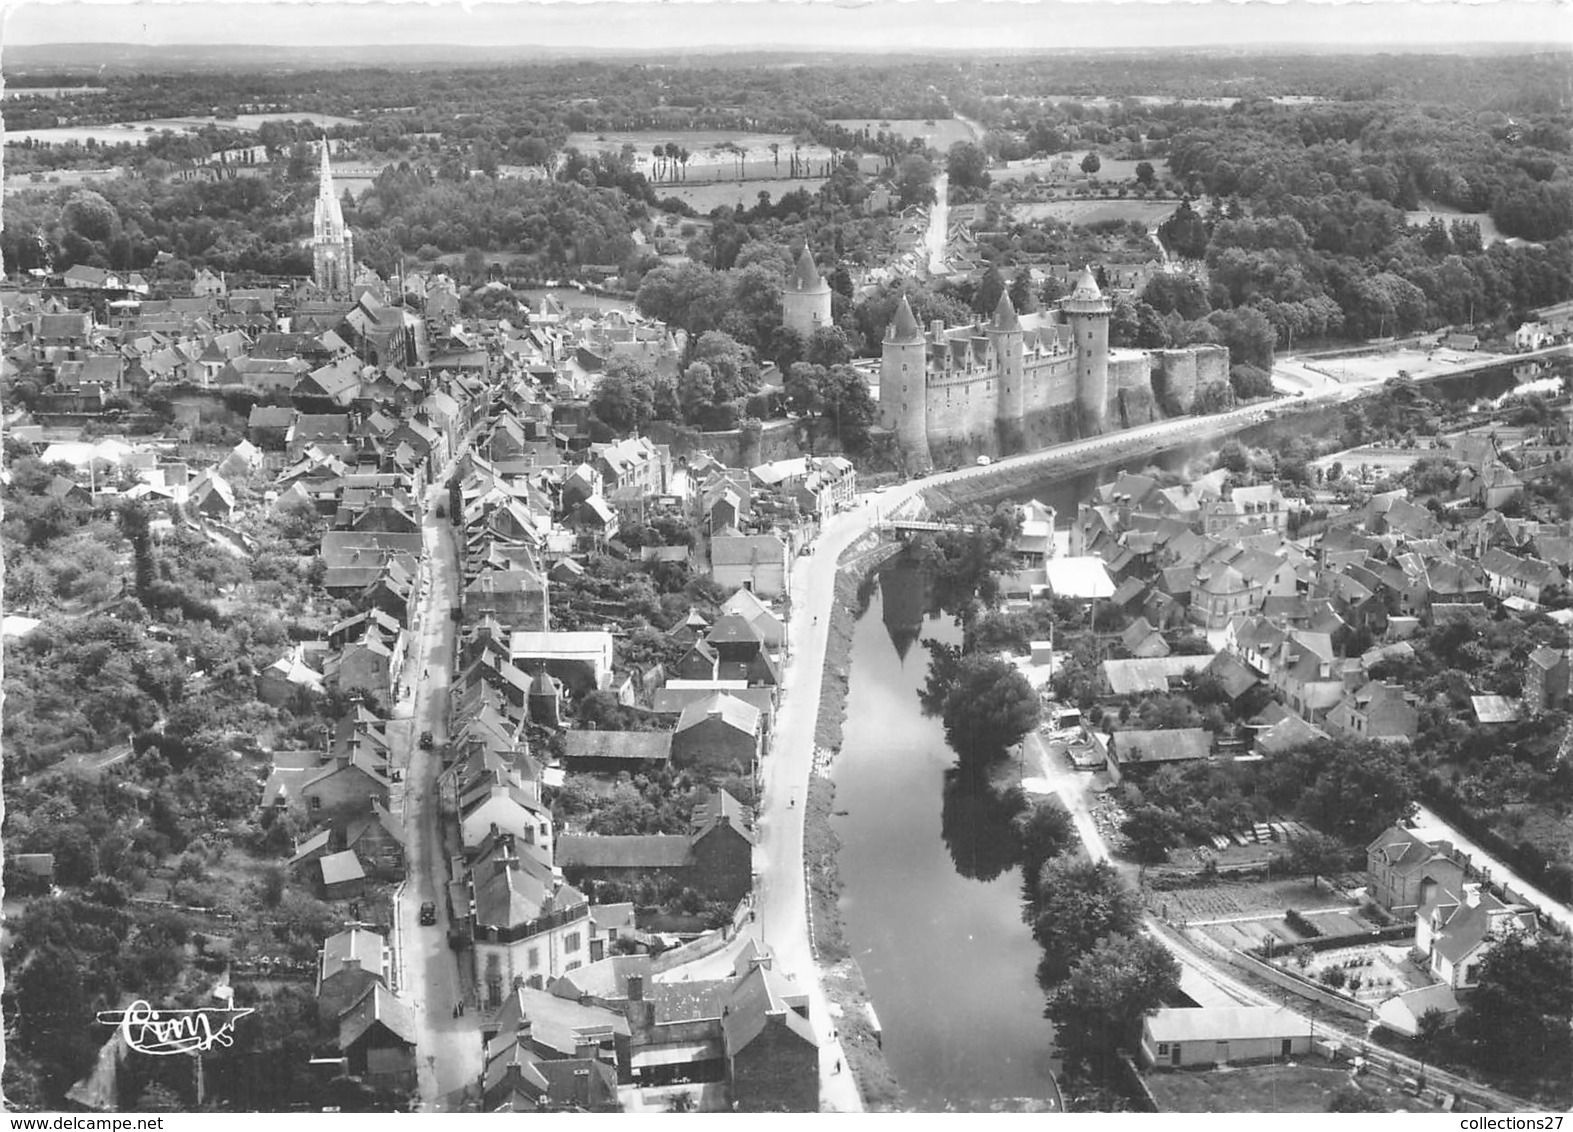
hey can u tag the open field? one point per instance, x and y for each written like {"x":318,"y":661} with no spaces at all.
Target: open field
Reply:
{"x":52,"y":91}
{"x":1253,"y":1088}
{"x":1111,"y":170}
{"x":1489,"y":232}
{"x":939,"y":134}
{"x":706,"y":195}
{"x":136,"y":133}
{"x":708,"y":150}
{"x":1245,"y":898}
{"x":1092,"y":211}
{"x":1373,"y":368}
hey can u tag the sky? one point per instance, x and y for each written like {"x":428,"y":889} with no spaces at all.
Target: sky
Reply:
{"x":855,"y":24}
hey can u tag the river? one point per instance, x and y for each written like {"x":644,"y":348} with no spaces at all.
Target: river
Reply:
{"x":932,"y":895}
{"x":947,"y":960}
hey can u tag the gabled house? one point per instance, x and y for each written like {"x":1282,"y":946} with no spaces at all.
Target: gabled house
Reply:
{"x":1548,"y":680}
{"x":1405,"y":872}
{"x":1513,"y":577}
{"x":1376,"y":711}
{"x":1457,"y":928}
{"x":377,"y":1038}
{"x":753,"y":562}
{"x":349,"y":964}
{"x":718,"y":735}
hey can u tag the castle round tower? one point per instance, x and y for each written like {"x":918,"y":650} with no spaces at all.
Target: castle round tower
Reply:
{"x":1088,"y":311}
{"x":1010,"y":366}
{"x":805,"y":300}
{"x":903,"y":386}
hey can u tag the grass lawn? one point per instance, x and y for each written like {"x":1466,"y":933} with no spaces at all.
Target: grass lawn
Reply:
{"x":705,"y":195}
{"x":1250,"y":1088}
{"x":1091,"y":211}
{"x":939,"y":134}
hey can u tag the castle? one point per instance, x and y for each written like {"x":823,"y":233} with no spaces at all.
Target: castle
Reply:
{"x":1019,"y":382}
{"x":332,"y":243}
{"x":805,"y":300}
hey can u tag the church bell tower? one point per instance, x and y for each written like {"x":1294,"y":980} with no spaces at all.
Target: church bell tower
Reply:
{"x":332,"y":244}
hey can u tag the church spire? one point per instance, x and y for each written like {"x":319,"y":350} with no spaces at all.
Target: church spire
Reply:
{"x":333,"y":248}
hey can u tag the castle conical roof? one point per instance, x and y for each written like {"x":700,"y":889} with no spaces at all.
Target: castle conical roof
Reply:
{"x":904,"y":327}
{"x":1087,"y":287}
{"x":805,"y":277}
{"x":1005,"y":314}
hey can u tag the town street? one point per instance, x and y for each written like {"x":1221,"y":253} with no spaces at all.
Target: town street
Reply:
{"x":449,"y":1048}
{"x":939,"y":225}
{"x":1431,"y":827}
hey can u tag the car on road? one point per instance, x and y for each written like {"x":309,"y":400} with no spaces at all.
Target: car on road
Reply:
{"x":919,"y":474}
{"x":984,"y":461}
{"x":806,"y":552}
{"x":428,"y":914}
{"x":426,"y":740}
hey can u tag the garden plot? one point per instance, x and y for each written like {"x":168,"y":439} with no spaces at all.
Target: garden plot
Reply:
{"x":1369,"y":972}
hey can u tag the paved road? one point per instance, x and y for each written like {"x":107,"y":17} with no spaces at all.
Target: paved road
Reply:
{"x":449,"y":1048}
{"x":939,"y":224}
{"x":780,"y":891}
{"x":1432,"y":827}
{"x":1061,"y":778}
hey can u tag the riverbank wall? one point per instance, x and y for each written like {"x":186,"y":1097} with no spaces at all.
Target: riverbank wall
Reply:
{"x":843,"y":979}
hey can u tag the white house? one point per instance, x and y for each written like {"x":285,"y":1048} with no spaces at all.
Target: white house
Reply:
{"x":1402,"y":1012}
{"x":1180,"y":1038}
{"x":1457,"y":931}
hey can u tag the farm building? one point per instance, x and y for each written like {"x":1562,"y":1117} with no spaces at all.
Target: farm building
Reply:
{"x":1185,"y":1038}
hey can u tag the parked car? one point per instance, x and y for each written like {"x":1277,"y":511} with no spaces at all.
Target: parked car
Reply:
{"x":984,"y":461}
{"x":428,"y":914}
{"x":426,"y":740}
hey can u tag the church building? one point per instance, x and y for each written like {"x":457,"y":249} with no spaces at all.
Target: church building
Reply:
{"x":332,"y":244}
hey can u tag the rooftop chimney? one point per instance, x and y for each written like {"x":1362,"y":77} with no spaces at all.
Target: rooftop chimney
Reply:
{"x":635,"y":988}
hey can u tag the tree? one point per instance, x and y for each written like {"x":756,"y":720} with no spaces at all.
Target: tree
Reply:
{"x":624,"y":397}
{"x":1517,"y":1020}
{"x":986,"y":704}
{"x":1045,"y":831}
{"x":1144,"y":173}
{"x":1074,"y":903}
{"x":914,"y":181}
{"x":1151,"y":832}
{"x":1361,"y":789}
{"x":1091,"y":163}
{"x":696,"y":390}
{"x":1101,"y":1005}
{"x":967,"y":164}
{"x":1315,"y":853}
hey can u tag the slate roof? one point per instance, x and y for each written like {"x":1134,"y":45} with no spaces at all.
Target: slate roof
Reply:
{"x":352,"y":944}
{"x":731,"y":710}
{"x":1224,"y":1024}
{"x":650,"y":851}
{"x":1170,"y":745}
{"x":635,"y":746}
{"x":378,"y":1004}
{"x":337,"y":868}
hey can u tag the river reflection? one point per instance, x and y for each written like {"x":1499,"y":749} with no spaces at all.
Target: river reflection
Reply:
{"x":933,"y":892}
